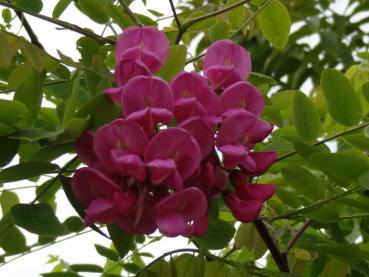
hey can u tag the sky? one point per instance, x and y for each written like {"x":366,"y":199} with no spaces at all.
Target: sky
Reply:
{"x":81,"y":248}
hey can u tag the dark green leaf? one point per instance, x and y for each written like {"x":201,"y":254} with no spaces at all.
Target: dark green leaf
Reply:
{"x":86,"y":268}
{"x":275,"y":23}
{"x":305,"y":117}
{"x":364,"y":180}
{"x":74,"y":224}
{"x":26,"y":170}
{"x":343,"y":104}
{"x":8,"y":149}
{"x":235,"y":16}
{"x":11,"y":111}
{"x":248,"y":237}
{"x":61,"y":274}
{"x":219,"y":31}
{"x":32,"y":6}
{"x":5,"y":51}
{"x":38,"y":219}
{"x":7,"y":200}
{"x":71,"y":104}
{"x":60,"y":7}
{"x":121,"y":240}
{"x":13,"y":241}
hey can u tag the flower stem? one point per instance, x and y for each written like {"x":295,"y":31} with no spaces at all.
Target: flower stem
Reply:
{"x":130,"y":13}
{"x":297,"y":235}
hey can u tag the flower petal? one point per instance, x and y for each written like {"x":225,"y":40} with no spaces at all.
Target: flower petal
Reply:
{"x":261,"y":160}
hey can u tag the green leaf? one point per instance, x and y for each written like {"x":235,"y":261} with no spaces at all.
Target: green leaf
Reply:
{"x":173,"y":268}
{"x":175,"y":62}
{"x":131,"y":268}
{"x":365,"y":89}
{"x":275,"y":23}
{"x":359,"y":141}
{"x":8,"y":149}
{"x":219,"y":31}
{"x":217,"y":236}
{"x":343,"y":103}
{"x":7,"y":15}
{"x":335,"y":268}
{"x":121,"y":240}
{"x":345,"y":167}
{"x":74,"y":224}
{"x":51,"y":152}
{"x":26,"y":170}
{"x":8,"y":199}
{"x":86,"y":268}
{"x":305,"y":117}
{"x":72,"y":101}
{"x":107,"y":252}
{"x":61,"y":274}
{"x":33,"y":55}
{"x":11,"y":111}
{"x":29,"y":91}
{"x":38,"y":219}
{"x":13,"y":241}
{"x":324,"y":214}
{"x":32,"y":6}
{"x":5,"y":51}
{"x":67,"y":187}
{"x":248,"y":237}
{"x":202,"y":25}
{"x":364,"y":180}
{"x":237,"y":15}
{"x":216,"y":269}
{"x":95,"y":10}
{"x":306,"y":150}
{"x":303,"y":181}
{"x":183,"y":265}
{"x":60,"y":7}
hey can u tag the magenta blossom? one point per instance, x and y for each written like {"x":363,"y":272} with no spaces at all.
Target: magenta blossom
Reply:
{"x":226,"y":63}
{"x":172,"y":156}
{"x":182,"y":213}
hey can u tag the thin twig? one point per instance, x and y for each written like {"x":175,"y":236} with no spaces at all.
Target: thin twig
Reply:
{"x":297,"y":236}
{"x":346,"y":132}
{"x":175,"y":14}
{"x":61,"y":23}
{"x":130,"y":13}
{"x":195,"y":20}
{"x":32,"y":35}
{"x":316,"y":205}
{"x":278,"y":258}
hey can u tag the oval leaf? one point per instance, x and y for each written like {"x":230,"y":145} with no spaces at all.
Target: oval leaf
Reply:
{"x":26,"y":170}
{"x":95,"y":10}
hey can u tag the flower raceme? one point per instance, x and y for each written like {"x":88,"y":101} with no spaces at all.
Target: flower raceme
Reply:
{"x":159,"y":165}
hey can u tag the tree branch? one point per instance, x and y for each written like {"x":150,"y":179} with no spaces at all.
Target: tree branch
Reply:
{"x":32,"y":35}
{"x":195,"y":20}
{"x":278,"y":257}
{"x":326,"y":140}
{"x":130,"y":13}
{"x":175,"y":14}
{"x":61,"y":23}
{"x":296,"y":236}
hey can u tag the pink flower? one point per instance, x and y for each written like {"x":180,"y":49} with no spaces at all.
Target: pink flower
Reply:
{"x":120,"y":146}
{"x":193,"y":97}
{"x":257,"y":163}
{"x":246,"y":202}
{"x":148,"y":101}
{"x":182,"y":213}
{"x":172,"y":155}
{"x":226,"y":63}
{"x":127,"y":69}
{"x":84,"y":148}
{"x":242,"y":95}
{"x":149,"y":39}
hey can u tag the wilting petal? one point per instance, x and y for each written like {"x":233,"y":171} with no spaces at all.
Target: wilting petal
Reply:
{"x":177,"y":144}
{"x":202,"y":133}
{"x":127,"y":69}
{"x":226,"y":58}
{"x":84,"y":148}
{"x":148,"y":38}
{"x":242,"y":95}
{"x":129,"y":165}
{"x":179,"y":209}
{"x":100,"y":210}
{"x":121,"y":134}
{"x":244,"y":211}
{"x":261,"y":160}
{"x":235,"y":128}
{"x":161,"y":169}
{"x":89,"y":184}
{"x":142,"y":92}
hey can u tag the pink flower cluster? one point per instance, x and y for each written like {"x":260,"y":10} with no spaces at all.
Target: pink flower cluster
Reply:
{"x":158,"y":166}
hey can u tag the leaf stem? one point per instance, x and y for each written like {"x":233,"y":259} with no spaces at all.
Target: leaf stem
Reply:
{"x":297,"y":236}
{"x":346,"y":132}
{"x":61,"y":23}
{"x":278,"y":257}
{"x":175,"y":14}
{"x":130,"y":13}
{"x":195,"y":20}
{"x":316,"y":205}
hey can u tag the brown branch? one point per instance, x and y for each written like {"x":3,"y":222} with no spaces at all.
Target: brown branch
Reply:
{"x":297,"y":236}
{"x":175,"y":14}
{"x":278,"y":257}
